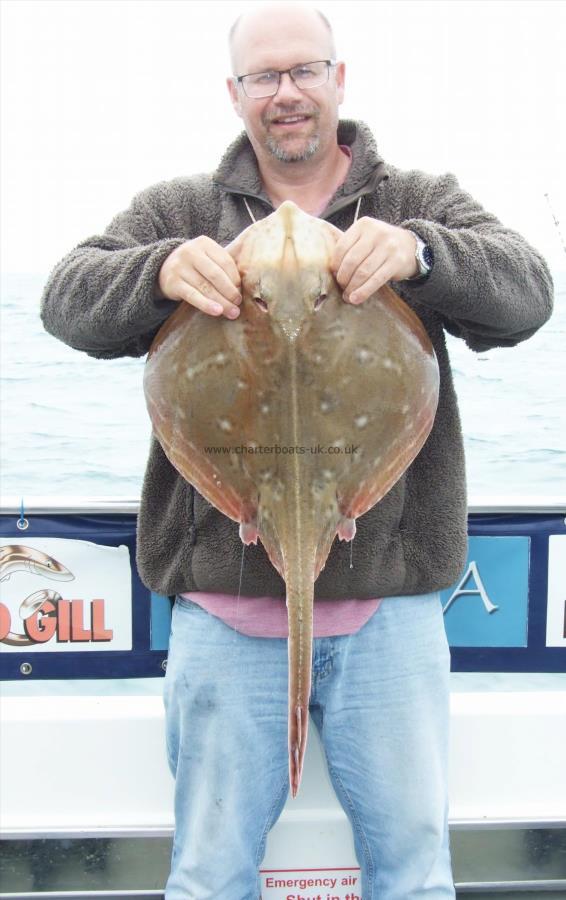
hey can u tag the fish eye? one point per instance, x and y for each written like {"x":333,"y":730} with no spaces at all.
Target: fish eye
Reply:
{"x":320,"y":300}
{"x":261,"y":303}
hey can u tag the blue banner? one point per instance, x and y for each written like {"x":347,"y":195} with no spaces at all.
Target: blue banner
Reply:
{"x":72,"y":604}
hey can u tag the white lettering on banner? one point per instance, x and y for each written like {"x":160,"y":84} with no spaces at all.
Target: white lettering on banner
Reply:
{"x":61,"y":595}
{"x":305,"y":884}
{"x":472,"y":571}
{"x":556,"y":600}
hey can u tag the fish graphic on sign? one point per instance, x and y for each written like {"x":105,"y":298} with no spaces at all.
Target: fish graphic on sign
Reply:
{"x":19,"y":558}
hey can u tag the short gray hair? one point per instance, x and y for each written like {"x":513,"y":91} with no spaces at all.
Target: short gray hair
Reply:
{"x":320,"y":15}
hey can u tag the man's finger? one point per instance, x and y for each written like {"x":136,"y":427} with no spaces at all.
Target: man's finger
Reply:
{"x":353,"y":260}
{"x":373,"y":261}
{"x":373,"y":284}
{"x":210,"y":273}
{"x":343,"y":245}
{"x":224,"y":261}
{"x":195,"y":279}
{"x":207,"y":299}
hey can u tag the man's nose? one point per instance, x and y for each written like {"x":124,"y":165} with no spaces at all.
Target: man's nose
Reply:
{"x":287,"y":89}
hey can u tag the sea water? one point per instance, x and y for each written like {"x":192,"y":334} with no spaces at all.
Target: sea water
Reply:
{"x":76,"y":426}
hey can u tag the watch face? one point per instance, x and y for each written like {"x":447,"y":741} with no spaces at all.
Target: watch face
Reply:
{"x":428,"y":257}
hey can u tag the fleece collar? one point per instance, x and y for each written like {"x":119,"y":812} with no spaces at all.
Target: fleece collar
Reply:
{"x":238,"y":171}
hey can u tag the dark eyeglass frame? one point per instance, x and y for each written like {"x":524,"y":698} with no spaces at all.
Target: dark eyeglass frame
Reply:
{"x":239,"y":79}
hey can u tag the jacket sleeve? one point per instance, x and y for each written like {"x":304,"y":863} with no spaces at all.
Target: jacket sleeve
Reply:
{"x":100,"y":298}
{"x":490,"y":286}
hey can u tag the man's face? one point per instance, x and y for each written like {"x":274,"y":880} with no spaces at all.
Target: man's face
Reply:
{"x":293,"y":125}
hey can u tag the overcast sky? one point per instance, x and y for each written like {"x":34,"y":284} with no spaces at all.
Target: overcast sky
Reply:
{"x":101,"y":98}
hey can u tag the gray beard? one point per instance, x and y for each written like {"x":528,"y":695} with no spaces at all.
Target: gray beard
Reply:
{"x":283,"y":155}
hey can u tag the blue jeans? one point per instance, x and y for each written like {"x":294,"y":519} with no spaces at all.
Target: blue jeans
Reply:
{"x":380,"y":701}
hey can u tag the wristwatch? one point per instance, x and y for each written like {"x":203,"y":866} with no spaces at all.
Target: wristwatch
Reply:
{"x":424,"y":257}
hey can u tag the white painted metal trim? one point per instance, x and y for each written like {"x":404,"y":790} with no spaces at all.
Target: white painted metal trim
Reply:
{"x":132,"y":833}
{"x":44,"y":505}
{"x":506,"y":766}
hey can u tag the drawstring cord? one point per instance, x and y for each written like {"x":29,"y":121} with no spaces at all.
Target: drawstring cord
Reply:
{"x":250,"y":213}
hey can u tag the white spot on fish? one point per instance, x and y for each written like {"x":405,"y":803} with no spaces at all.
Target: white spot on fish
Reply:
{"x":324,"y":406}
{"x":362,"y":355}
{"x":225,"y":424}
{"x":405,"y":409}
{"x":220,"y":357}
{"x":326,"y":473}
{"x":190,"y":373}
{"x":241,"y":384}
{"x":264,"y":408}
{"x":389,"y":364}
{"x":277,"y":489}
{"x":361,"y":421}
{"x":317,"y":358}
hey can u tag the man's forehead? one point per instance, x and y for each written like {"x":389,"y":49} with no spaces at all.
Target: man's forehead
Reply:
{"x":280,"y":55}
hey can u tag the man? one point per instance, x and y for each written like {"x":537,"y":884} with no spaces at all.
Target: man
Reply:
{"x":380,"y":667}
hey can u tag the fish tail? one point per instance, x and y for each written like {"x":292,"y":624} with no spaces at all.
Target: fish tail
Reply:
{"x":298,"y":728}
{"x":300,"y":611}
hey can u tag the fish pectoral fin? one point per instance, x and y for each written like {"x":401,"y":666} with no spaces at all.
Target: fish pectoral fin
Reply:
{"x":248,"y":533}
{"x":346,"y":529}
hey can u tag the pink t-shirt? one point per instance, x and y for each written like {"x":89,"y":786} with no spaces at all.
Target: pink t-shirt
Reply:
{"x":267,"y":616}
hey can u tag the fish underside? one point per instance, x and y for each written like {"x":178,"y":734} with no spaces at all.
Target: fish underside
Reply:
{"x":327,"y":402}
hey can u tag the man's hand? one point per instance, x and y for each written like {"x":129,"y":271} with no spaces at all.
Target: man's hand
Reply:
{"x":201,"y":273}
{"x":371,"y":253}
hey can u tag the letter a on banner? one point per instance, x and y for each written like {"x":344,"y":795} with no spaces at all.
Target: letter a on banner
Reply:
{"x":472,"y":571}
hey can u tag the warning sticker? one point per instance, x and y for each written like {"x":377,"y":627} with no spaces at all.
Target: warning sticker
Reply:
{"x":311,"y":884}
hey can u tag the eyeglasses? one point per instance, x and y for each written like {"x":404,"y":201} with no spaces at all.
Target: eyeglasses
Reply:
{"x":305,"y":76}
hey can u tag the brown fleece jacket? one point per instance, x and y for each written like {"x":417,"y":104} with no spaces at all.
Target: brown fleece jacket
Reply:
{"x":487,"y":285}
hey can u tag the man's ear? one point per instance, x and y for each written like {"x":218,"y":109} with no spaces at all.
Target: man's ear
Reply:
{"x":340,"y":81}
{"x":234,"y":96}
